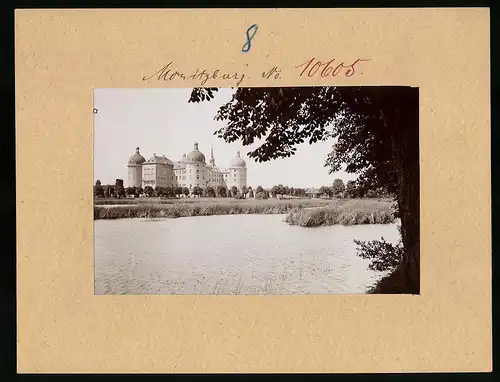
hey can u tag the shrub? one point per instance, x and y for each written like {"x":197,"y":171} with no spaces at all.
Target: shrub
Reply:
{"x":384,"y":256}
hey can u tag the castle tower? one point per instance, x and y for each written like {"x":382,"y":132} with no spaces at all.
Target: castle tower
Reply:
{"x":238,"y":172}
{"x":212,"y":159}
{"x":196,"y":171}
{"x":135,"y":169}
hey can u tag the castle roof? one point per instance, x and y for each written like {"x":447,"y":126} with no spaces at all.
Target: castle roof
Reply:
{"x":155,"y":159}
{"x":238,"y":161}
{"x":137,"y":158}
{"x":179,"y":165}
{"x":195,"y":155}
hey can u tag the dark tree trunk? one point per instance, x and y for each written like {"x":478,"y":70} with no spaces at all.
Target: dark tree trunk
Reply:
{"x":406,"y":161}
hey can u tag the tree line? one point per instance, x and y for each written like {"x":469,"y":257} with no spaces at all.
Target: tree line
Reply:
{"x":352,"y":189}
{"x":119,"y":191}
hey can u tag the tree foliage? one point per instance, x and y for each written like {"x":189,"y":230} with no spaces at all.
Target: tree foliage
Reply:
{"x":244,"y":190}
{"x":98,"y":189}
{"x":148,"y":190}
{"x":383,"y":256}
{"x":325,"y":190}
{"x":351,"y":189}
{"x":119,"y":189}
{"x":210,"y":191}
{"x":338,"y":187}
{"x":221,"y":191}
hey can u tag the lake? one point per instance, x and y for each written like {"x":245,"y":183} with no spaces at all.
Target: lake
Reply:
{"x":231,"y":254}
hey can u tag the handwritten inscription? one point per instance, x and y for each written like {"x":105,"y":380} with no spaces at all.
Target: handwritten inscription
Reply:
{"x":314,"y":67}
{"x":204,"y":76}
{"x":253,"y":30}
{"x":311,"y":68}
{"x":274,"y":73}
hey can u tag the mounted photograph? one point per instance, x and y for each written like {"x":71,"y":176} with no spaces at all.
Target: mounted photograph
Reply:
{"x":257,"y":191}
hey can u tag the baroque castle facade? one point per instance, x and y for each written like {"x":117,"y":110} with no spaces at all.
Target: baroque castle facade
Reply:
{"x":191,"y":171}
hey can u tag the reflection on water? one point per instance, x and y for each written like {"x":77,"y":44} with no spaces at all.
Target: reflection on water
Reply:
{"x":231,"y":254}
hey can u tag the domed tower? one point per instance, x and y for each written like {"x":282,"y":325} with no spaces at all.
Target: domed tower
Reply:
{"x":238,"y":172}
{"x":135,"y":169}
{"x":196,"y":168}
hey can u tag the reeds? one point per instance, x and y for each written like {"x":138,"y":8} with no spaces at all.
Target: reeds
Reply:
{"x":305,"y":212}
{"x":352,"y":212}
{"x":191,"y":209}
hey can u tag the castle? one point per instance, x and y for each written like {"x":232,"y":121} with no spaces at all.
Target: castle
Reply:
{"x":191,"y":171}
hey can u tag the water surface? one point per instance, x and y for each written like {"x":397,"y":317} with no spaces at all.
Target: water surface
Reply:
{"x":231,"y":254}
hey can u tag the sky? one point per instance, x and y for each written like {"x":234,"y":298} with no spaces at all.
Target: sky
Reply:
{"x":162,"y":122}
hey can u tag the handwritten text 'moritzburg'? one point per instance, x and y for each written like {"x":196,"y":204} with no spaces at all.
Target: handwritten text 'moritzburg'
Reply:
{"x":167,"y":74}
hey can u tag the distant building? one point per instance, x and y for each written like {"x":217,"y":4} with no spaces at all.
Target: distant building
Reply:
{"x":312,"y":192}
{"x":190,"y":171}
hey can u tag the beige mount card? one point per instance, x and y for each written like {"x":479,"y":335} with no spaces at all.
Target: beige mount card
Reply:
{"x":62,"y":56}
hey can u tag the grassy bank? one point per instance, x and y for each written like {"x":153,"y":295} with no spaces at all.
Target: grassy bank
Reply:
{"x":204,"y":207}
{"x":345,"y":212}
{"x":155,"y":200}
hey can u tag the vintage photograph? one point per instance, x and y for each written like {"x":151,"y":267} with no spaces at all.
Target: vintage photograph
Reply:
{"x":257,"y":191}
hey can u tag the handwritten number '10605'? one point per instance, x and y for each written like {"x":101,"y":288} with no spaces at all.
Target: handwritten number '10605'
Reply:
{"x":328,"y":68}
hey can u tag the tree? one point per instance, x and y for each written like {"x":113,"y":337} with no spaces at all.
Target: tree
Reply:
{"x":148,"y":190}
{"x":210,"y":191}
{"x":265,"y":194}
{"x":244,"y":191}
{"x":259,"y":189}
{"x":98,"y":189}
{"x":351,"y":189}
{"x":250,"y":192}
{"x":198,"y":191}
{"x":178,"y":191}
{"x":185,"y":191}
{"x":234,"y":191}
{"x":374,"y":130}
{"x":119,"y":189}
{"x":274,"y":191}
{"x":325,"y":190}
{"x":109,"y":191}
{"x":338,"y":187}
{"x":139,"y":191}
{"x":170,"y":191}
{"x":299,"y":192}
{"x":158,"y":191}
{"x":130,"y":191}
{"x":221,"y":191}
